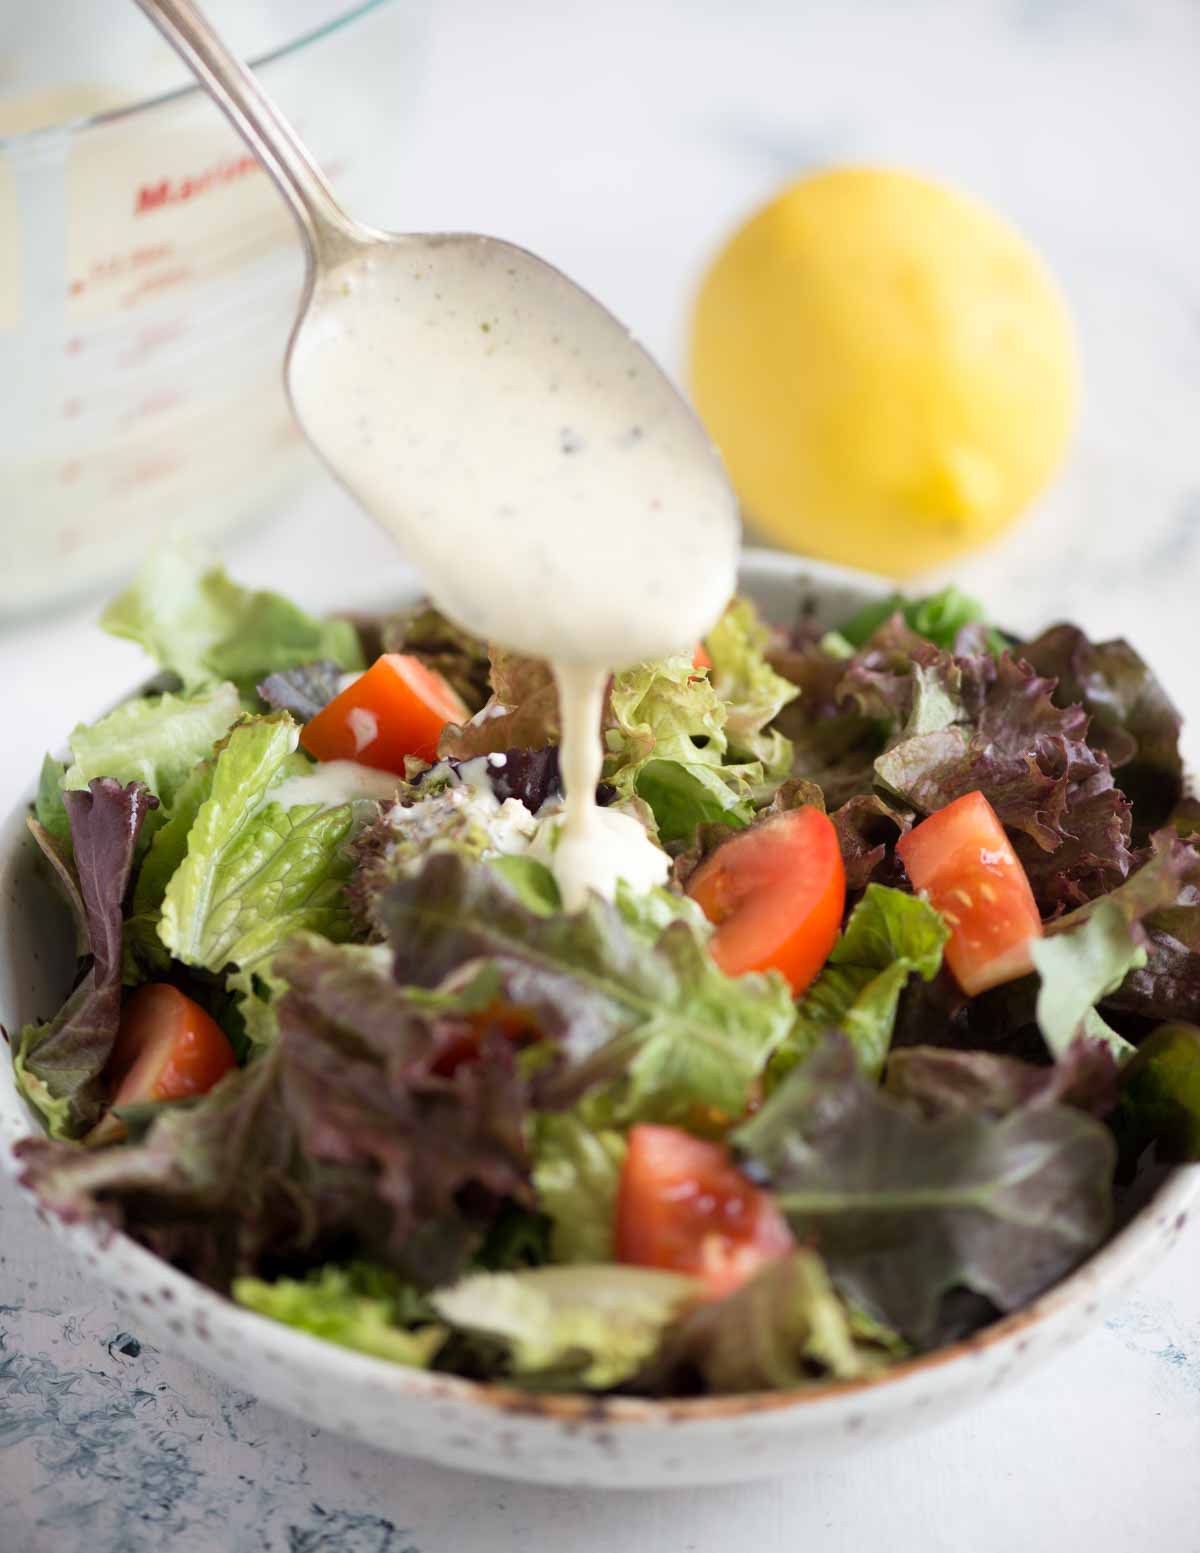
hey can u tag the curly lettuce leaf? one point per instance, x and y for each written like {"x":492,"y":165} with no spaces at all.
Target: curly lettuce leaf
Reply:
{"x":253,"y":873}
{"x":458,"y":656}
{"x":455,"y":806}
{"x":654,"y":1024}
{"x":834,"y":743}
{"x":359,"y":1307}
{"x":1029,"y":758}
{"x":59,"y":1064}
{"x":868,"y":828}
{"x":522,"y":712}
{"x":576,"y":1170}
{"x":339,"y":1139}
{"x":567,"y":1328}
{"x":197,"y":623}
{"x":753,"y":692}
{"x":1131,"y":717}
{"x":667,"y":743}
{"x":890,"y":937}
{"x":664,"y":730}
{"x":904,"y":1209}
{"x":785,"y":1329}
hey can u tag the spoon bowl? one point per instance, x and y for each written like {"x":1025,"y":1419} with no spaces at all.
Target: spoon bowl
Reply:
{"x":493,"y":415}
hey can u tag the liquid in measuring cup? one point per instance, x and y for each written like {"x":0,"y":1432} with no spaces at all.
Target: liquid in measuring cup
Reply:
{"x":149,"y":275}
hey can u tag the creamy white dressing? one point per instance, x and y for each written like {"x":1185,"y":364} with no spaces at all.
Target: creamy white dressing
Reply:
{"x":618,"y":849}
{"x":508,"y":826}
{"x":334,"y":782}
{"x":364,"y":726}
{"x":540,"y":471}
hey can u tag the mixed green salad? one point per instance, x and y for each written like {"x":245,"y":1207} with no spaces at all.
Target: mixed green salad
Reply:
{"x":906,"y":1029}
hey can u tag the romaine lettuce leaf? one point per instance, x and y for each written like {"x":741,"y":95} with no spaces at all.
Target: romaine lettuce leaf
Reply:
{"x":197,"y":623}
{"x":156,"y":740}
{"x":254,"y":873}
{"x":58,"y":1064}
{"x":784,"y":1329}
{"x":359,"y":1307}
{"x":570,"y":1327}
{"x":655,"y":1025}
{"x":576,"y":1170}
{"x":903,"y":1209}
{"x":890,"y":936}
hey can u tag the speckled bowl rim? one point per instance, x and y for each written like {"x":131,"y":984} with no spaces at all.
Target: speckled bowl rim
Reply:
{"x":213,"y":1318}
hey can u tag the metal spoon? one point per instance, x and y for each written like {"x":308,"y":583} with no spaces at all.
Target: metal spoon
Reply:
{"x":467,"y":424}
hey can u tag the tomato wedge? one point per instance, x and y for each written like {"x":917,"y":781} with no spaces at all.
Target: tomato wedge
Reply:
{"x":397,"y":708}
{"x":683,"y":1205}
{"x":167,"y":1048}
{"x":514,"y":1023}
{"x":700,"y":658}
{"x":776,"y":893}
{"x":964,"y":862}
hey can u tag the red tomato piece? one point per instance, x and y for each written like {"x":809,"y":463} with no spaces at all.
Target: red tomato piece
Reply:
{"x":397,"y":708}
{"x":684,"y":1206}
{"x":515,"y":1024}
{"x":965,"y":864}
{"x":776,"y":893}
{"x":167,"y":1048}
{"x":700,"y":658}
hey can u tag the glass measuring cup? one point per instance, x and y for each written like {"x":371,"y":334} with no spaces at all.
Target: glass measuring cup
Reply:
{"x":149,"y":274}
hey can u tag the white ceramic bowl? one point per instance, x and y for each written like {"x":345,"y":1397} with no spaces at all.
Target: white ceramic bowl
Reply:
{"x":617,"y":1442}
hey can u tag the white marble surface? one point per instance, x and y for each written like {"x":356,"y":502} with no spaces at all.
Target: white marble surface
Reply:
{"x":620,"y":140}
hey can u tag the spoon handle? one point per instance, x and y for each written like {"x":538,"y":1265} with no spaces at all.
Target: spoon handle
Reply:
{"x":328,"y":233}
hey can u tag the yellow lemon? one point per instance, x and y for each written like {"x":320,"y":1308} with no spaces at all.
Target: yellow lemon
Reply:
{"x":887,"y":366}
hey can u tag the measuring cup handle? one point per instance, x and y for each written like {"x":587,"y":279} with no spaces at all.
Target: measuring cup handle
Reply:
{"x":329,"y":234}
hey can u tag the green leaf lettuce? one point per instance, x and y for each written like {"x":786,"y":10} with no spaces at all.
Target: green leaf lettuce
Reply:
{"x":890,"y":936}
{"x":570,"y":1327}
{"x":197,"y":623}
{"x":359,"y":1307}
